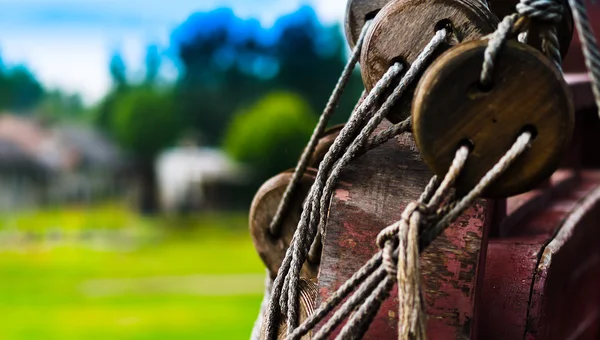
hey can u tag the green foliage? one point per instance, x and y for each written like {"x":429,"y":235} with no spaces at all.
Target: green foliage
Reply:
{"x":229,"y":62}
{"x":144,"y":121}
{"x":118,"y":70}
{"x":19,"y":89}
{"x":271,"y":135}
{"x":60,"y":106}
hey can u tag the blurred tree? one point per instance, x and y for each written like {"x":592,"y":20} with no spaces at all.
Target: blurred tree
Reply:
{"x":271,"y":134}
{"x":20,"y":91}
{"x":144,"y":123}
{"x":61,"y":106}
{"x":118,"y":71}
{"x":228,"y":63}
{"x":118,"y":74}
{"x":311,"y":58}
{"x":153,"y":62}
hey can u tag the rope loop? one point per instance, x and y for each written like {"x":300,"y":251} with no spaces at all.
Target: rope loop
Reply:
{"x":389,"y":262}
{"x":544,"y":11}
{"x":390,"y":233}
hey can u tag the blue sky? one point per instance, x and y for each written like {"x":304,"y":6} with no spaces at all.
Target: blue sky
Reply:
{"x":68,"y":43}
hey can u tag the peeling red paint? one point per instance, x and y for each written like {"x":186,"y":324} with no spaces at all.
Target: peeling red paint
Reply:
{"x":342,"y":195}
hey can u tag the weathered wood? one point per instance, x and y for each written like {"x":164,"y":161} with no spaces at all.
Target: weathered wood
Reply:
{"x":404,"y":27}
{"x":528,"y":92}
{"x":357,"y":14}
{"x":541,"y":280}
{"x":373,"y":192}
{"x":272,"y":248}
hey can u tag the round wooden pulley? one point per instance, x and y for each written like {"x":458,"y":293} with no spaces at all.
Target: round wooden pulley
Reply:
{"x":272,"y":248}
{"x":358,"y":12}
{"x":503,"y":8}
{"x":528,"y":94}
{"x":403,"y":28}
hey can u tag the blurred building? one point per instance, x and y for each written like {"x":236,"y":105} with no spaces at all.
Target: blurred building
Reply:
{"x":90,"y":164}
{"x":41,"y":165}
{"x":193,"y":178}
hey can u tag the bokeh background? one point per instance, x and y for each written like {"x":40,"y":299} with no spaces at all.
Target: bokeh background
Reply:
{"x":133,"y":135}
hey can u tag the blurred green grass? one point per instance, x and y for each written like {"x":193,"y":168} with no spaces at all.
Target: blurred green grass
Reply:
{"x":107,"y":273}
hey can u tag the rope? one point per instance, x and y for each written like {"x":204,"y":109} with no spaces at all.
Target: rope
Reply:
{"x":589,"y":45}
{"x":317,"y":133}
{"x":495,"y":44}
{"x":389,"y":133}
{"x":307,"y":227}
{"x":549,"y":13}
{"x":301,"y":234}
{"x":346,"y":146}
{"x":520,"y":146}
{"x":360,"y":276}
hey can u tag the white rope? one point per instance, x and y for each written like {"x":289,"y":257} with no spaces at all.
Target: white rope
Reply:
{"x":317,"y":133}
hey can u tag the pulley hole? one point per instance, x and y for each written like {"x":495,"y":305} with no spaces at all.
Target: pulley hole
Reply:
{"x":372,"y":14}
{"x":485,"y":88}
{"x":531,"y":129}
{"x":468,"y":143}
{"x":478,"y":90}
{"x":444,"y":24}
{"x":398,"y":60}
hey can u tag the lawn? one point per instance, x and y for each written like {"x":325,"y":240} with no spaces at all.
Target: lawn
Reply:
{"x":106,"y":273}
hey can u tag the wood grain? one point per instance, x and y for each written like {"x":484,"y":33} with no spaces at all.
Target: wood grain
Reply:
{"x":450,"y":107}
{"x":372,"y":194}
{"x":404,"y":27}
{"x":270,"y":248}
{"x":357,"y":14}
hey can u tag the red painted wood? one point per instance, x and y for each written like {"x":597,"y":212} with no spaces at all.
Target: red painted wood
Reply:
{"x":583,"y":149}
{"x":540,"y":284}
{"x":373,"y":193}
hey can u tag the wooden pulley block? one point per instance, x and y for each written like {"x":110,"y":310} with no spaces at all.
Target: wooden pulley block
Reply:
{"x":503,"y":8}
{"x":358,"y":12}
{"x":272,"y":248}
{"x":307,"y":298}
{"x":403,"y":28}
{"x":528,"y":94}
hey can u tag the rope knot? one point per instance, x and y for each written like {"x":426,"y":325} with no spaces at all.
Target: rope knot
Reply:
{"x":545,"y":11}
{"x":390,"y":233}
{"x":389,"y":238}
